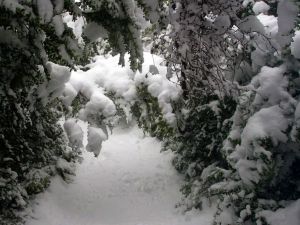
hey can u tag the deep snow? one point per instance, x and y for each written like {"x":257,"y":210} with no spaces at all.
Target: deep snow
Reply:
{"x":130,"y":183}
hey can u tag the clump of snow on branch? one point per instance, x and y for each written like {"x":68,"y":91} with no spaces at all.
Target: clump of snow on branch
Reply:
{"x":45,"y":10}
{"x":54,"y":87}
{"x":74,"y":133}
{"x":295,"y":45}
{"x":105,"y":76}
{"x":260,"y":7}
{"x":58,"y":24}
{"x":270,"y":122}
{"x":95,"y":138}
{"x":287,"y":15}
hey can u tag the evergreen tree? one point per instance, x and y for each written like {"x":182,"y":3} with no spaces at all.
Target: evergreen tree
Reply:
{"x":235,"y":130}
{"x":236,"y":142}
{"x":37,"y":52}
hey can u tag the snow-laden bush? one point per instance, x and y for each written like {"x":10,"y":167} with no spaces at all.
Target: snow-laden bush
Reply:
{"x":39,"y":44}
{"x":30,"y":137}
{"x":149,"y":115}
{"x":245,"y":160}
{"x":198,"y":143}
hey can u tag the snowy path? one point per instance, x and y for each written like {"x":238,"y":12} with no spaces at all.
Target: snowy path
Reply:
{"x":130,"y":183}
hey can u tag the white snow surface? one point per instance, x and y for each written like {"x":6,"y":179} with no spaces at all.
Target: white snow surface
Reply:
{"x":260,"y":7}
{"x":130,"y":183}
{"x":290,"y":215}
{"x":295,"y":45}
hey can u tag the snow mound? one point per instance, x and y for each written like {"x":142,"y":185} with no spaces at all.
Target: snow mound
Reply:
{"x":130,"y":183}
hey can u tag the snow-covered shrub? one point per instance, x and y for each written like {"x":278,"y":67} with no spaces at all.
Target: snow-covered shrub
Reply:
{"x":122,"y":117}
{"x":38,"y":48}
{"x":246,"y":160}
{"x":30,"y":137}
{"x":148,"y":114}
{"x":13,"y":196}
{"x":261,"y":151}
{"x":198,"y":144}
{"x":120,"y":22}
{"x":37,"y":180}
{"x":65,"y":169}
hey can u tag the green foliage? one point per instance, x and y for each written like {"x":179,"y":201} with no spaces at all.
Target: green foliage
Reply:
{"x":37,"y":181}
{"x":13,"y":196}
{"x":77,"y":104}
{"x":122,"y":30}
{"x":148,"y":114}
{"x":200,"y":140}
{"x":120,"y":118}
{"x":281,"y":179}
{"x":33,"y":145}
{"x":31,"y":140}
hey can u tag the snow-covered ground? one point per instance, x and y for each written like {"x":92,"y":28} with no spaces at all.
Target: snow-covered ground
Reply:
{"x":130,"y":183}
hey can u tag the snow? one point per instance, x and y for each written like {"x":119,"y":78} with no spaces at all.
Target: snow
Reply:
{"x":270,"y":23}
{"x":270,"y":85}
{"x":93,"y":31}
{"x":226,"y":217}
{"x":12,"y":5}
{"x":105,"y":75}
{"x":268,"y":123}
{"x":98,"y":104}
{"x":130,"y":183}
{"x":64,"y":54}
{"x":222,"y":23}
{"x":58,"y":6}
{"x":287,"y":16}
{"x":290,"y":215}
{"x":64,"y":166}
{"x":264,"y":40}
{"x":45,"y":10}
{"x":251,"y":24}
{"x":260,"y":7}
{"x":153,"y":5}
{"x":247,"y":171}
{"x":95,"y":138}
{"x":247,"y":2}
{"x":74,"y":132}
{"x":295,"y":45}
{"x":58,"y":25}
{"x":59,"y":75}
{"x":69,"y":94}
{"x":76,"y":25}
